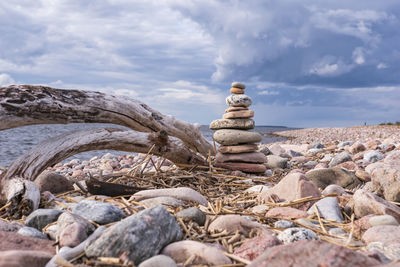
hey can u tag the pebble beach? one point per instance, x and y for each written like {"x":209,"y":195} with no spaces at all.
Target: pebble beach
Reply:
{"x":328,"y":197}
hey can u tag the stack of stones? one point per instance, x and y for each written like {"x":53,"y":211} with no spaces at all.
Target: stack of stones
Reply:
{"x":238,"y":150}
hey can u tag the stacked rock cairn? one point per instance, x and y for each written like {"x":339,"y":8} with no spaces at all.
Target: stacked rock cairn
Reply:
{"x":238,"y":148}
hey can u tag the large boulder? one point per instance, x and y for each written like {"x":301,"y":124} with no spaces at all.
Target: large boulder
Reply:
{"x":138,"y":237}
{"x":312,"y":254}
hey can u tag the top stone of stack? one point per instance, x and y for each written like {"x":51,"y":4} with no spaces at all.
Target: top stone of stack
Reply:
{"x":238,"y":85}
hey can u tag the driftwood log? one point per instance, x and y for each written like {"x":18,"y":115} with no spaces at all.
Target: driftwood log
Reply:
{"x":22,"y":105}
{"x":26,"y":105}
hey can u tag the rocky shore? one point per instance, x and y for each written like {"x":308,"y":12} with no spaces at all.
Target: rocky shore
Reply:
{"x":329,"y":197}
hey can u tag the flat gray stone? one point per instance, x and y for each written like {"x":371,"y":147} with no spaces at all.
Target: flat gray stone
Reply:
{"x":274,"y":161}
{"x":382,"y":220}
{"x":372,"y":156}
{"x":284,"y":224}
{"x":31,"y":232}
{"x":42,"y":217}
{"x":165,"y":201}
{"x":99,"y":212}
{"x":340,"y":158}
{"x":192,"y":214}
{"x":245,"y":124}
{"x":328,"y":208}
{"x":229,"y":137}
{"x":239,"y":85}
{"x":158,"y":261}
{"x":238,"y":100}
{"x":138,"y":237}
{"x":293,"y":234}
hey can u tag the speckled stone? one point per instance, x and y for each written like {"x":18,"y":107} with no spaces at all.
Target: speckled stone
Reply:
{"x":238,"y":100}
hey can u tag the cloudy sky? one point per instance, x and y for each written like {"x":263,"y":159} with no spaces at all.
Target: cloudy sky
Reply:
{"x":306,"y":63}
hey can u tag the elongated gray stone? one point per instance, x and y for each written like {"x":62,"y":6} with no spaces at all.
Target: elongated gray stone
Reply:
{"x":32,"y":232}
{"x":138,"y":237}
{"x":329,"y":209}
{"x":229,"y":137}
{"x":42,"y":217}
{"x":238,"y":100}
{"x":245,"y":124}
{"x":99,"y":212}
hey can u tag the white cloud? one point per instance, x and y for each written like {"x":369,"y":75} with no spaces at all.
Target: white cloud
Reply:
{"x":6,"y":79}
{"x":381,"y":66}
{"x":267,"y":92}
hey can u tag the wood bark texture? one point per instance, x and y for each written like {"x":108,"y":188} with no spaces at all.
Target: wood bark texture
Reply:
{"x":56,"y":149}
{"x":27,"y":104}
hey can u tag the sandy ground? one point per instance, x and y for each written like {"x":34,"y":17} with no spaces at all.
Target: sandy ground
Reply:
{"x":331,"y":135}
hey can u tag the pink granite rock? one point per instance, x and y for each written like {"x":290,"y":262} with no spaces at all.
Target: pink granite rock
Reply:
{"x":250,"y":157}
{"x":254,"y":247}
{"x":21,"y":258}
{"x":356,"y":147}
{"x":293,"y":186}
{"x":241,"y":114}
{"x":244,"y":167}
{"x":388,"y":179}
{"x":312,"y":254}
{"x":366,"y":203}
{"x":203,"y":254}
{"x":349,"y":165}
{"x":387,"y":234}
{"x":238,"y":148}
{"x":286,"y":213}
{"x":233,"y":223}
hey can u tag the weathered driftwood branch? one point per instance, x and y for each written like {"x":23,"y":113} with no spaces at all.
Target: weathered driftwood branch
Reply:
{"x":26,"y":105}
{"x":56,"y":149}
{"x":16,"y":185}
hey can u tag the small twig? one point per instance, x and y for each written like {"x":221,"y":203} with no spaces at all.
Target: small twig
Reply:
{"x":237,"y":258}
{"x":319,"y":219}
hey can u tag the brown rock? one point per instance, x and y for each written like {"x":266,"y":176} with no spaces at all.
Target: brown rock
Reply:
{"x":21,"y":258}
{"x":324,"y":177}
{"x":244,"y":167}
{"x":72,"y":235}
{"x":366,"y":203}
{"x":286,"y":213}
{"x":250,"y":157}
{"x":360,"y":226}
{"x":238,"y":85}
{"x":388,"y":180}
{"x":294,"y":186}
{"x":372,"y":144}
{"x":237,"y":91}
{"x":312,"y":254}
{"x":14,"y":241}
{"x":53,"y":182}
{"x":238,"y":148}
{"x":363,"y":175}
{"x":254,"y":247}
{"x":348,"y":165}
{"x":235,"y":109}
{"x":387,"y":234}
{"x":233,"y":223}
{"x":181,"y":251}
{"x":241,"y":114}
{"x":356,"y":147}
{"x":393,"y":159}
